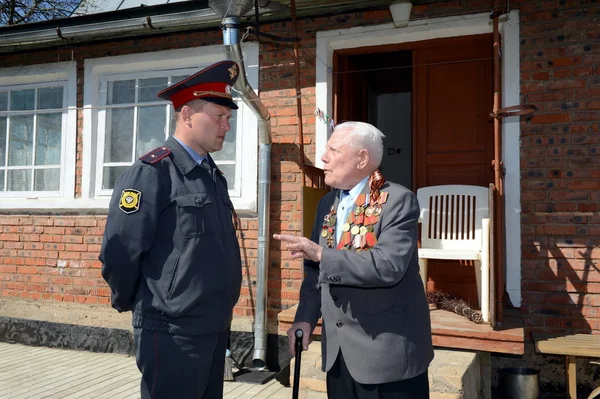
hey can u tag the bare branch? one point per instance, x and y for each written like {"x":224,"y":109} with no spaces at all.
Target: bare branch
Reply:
{"x":14,"y":12}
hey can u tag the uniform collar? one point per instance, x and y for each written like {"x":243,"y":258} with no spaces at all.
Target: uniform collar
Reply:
{"x":183,"y":159}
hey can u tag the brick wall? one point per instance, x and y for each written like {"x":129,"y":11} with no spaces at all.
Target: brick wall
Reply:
{"x":55,"y":256}
{"x":560,"y":73}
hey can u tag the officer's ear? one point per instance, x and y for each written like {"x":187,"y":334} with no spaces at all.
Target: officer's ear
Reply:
{"x":186,"y":114}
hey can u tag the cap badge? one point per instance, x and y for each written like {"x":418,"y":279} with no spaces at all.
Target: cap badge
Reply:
{"x":233,"y":71}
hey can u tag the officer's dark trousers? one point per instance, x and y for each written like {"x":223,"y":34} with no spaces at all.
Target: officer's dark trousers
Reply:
{"x":178,"y":366}
{"x":341,"y":385}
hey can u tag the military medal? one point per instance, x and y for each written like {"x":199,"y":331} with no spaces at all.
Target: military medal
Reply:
{"x":345,"y":240}
{"x":358,"y":242}
{"x":329,"y":221}
{"x":370,"y":239}
{"x":358,"y":231}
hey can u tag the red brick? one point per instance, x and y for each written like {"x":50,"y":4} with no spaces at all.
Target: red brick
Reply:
{"x":549,"y":118}
{"x":565,"y":61}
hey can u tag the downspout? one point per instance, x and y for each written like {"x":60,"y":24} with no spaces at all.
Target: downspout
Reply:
{"x":233,"y":51}
{"x":498,"y":182}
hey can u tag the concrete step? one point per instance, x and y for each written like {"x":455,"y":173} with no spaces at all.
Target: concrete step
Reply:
{"x":453,"y":374}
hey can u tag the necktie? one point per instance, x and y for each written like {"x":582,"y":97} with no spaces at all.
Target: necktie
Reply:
{"x":206,"y":166}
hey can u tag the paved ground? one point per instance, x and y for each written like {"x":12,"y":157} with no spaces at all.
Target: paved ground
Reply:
{"x":28,"y":372}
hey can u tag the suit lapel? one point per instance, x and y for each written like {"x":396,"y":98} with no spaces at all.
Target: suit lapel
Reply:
{"x":336,"y":201}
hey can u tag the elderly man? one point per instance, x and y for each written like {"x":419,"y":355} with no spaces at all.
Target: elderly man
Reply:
{"x":170,"y":251}
{"x":362,"y":275}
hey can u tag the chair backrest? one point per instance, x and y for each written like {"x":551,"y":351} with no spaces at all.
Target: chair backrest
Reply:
{"x":451,"y":216}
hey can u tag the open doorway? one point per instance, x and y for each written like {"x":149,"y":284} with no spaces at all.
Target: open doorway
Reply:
{"x":383,"y":82}
{"x":433,"y":100}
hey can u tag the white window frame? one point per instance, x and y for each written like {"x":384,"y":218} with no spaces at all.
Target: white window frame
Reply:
{"x":39,"y":76}
{"x":462,"y":25}
{"x":182,"y":61}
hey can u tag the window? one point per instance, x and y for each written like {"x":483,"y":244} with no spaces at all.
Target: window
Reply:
{"x":131,"y":120}
{"x":37,"y":135}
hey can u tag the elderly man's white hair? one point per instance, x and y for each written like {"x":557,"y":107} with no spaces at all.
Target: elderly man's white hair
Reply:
{"x":364,"y":135}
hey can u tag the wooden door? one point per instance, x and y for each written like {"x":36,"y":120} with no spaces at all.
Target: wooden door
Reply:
{"x":453,"y":132}
{"x":351,"y":91}
{"x":452,"y":98}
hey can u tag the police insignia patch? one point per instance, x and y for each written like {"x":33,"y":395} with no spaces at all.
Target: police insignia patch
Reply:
{"x":130,"y":200}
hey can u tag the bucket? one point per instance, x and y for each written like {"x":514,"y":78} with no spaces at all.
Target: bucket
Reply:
{"x":519,"y":383}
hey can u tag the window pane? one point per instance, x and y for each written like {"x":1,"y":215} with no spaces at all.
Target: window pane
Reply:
{"x":3,"y":101}
{"x":20,"y":140}
{"x":22,"y":100}
{"x":47,"y":180}
{"x":19,"y":180}
{"x":2,"y":140}
{"x":118,"y":145}
{"x":229,"y":173}
{"x":172,"y":121}
{"x":121,"y":92}
{"x":227,"y":153}
{"x":176,"y":79}
{"x":149,"y":88}
{"x":151,"y":128}
{"x":110,"y":175}
{"x":48,"y":140}
{"x":50,"y":98}
{"x":2,"y":174}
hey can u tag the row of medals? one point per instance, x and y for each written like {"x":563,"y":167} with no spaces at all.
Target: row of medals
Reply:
{"x":367,"y":210}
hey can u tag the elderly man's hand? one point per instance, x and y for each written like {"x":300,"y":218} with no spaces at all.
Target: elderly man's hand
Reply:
{"x":301,"y":247}
{"x":291,"y":333}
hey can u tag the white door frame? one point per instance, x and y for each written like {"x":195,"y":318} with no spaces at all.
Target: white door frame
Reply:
{"x":329,"y":41}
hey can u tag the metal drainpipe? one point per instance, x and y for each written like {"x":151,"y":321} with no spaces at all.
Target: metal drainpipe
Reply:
{"x":233,"y":52}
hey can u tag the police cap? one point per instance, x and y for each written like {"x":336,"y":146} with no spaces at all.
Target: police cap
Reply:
{"x":212,"y":84}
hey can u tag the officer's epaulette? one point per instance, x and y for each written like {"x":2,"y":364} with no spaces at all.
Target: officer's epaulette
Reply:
{"x":155,"y":155}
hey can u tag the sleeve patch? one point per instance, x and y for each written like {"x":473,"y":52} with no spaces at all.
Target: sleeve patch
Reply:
{"x":130,"y":200}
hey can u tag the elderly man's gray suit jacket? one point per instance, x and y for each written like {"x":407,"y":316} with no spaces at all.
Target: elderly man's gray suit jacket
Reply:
{"x":372,"y":302}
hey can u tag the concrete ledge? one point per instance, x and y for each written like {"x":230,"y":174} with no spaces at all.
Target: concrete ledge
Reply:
{"x":455,"y":374}
{"x":66,"y":336}
{"x":100,"y":328}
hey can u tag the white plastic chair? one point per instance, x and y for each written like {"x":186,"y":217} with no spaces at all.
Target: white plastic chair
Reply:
{"x":455,"y":225}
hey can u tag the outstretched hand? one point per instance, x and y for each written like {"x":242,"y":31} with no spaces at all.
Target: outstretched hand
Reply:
{"x":301,"y":247}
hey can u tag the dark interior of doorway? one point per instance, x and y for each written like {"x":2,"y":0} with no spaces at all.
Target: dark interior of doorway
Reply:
{"x":385,"y":80}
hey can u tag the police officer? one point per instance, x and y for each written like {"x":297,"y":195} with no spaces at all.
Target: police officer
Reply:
{"x":170,"y":252}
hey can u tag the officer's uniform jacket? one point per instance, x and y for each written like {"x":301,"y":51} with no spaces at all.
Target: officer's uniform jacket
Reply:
{"x":372,"y":302}
{"x":170,"y":251}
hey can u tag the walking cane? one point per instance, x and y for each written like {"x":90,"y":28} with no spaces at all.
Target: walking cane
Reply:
{"x":298,"y":333}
